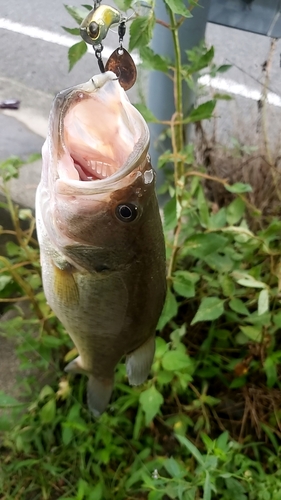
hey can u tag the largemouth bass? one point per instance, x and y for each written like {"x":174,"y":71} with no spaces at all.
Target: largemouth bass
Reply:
{"x":100,"y":234}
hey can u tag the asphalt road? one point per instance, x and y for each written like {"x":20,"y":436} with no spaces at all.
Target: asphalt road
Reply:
{"x":36,"y":70}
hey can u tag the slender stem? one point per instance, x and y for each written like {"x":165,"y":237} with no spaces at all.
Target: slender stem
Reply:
{"x":179,"y":132}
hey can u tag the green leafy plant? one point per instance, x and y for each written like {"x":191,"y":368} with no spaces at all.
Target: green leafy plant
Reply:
{"x":206,"y":425}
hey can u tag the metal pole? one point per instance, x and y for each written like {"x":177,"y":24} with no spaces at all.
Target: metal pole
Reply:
{"x":160,"y":87}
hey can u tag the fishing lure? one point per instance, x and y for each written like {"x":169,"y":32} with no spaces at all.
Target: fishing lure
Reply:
{"x":94,"y":29}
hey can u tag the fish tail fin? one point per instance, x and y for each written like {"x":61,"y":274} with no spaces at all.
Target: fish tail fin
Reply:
{"x":138,"y":362}
{"x":98,"y":394}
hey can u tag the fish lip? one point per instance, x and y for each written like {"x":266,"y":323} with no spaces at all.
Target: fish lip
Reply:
{"x":136,"y":160}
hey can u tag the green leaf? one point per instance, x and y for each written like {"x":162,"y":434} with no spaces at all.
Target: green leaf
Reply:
{"x":202,"y":112}
{"x":223,"y":68}
{"x":210,"y":308}
{"x":263,"y":302}
{"x":96,"y":493}
{"x":238,"y":306}
{"x":235,"y":489}
{"x":176,"y":360}
{"x":4,"y":280}
{"x":67,"y":434}
{"x":141,"y":31}
{"x":150,"y":401}
{"x":170,"y":214}
{"x":7,"y":401}
{"x":151,"y":60}
{"x":72,"y":31}
{"x":201,"y":245}
{"x":48,"y":412}
{"x":76,"y":52}
{"x":201,"y":63}
{"x":222,"y":97}
{"x":247,"y":280}
{"x":76,"y":13}
{"x":183,"y":283}
{"x":270,"y":367}
{"x":239,"y":187}
{"x":191,"y":448}
{"x":146,"y":113}
{"x":207,"y":487}
{"x":235,"y":211}
{"x":178,"y":7}
{"x":170,"y":310}
{"x":172,"y":467}
{"x":253,"y":333}
{"x":123,"y":4}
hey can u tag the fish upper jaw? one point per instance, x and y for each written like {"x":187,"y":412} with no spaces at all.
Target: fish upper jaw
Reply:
{"x":97,"y":137}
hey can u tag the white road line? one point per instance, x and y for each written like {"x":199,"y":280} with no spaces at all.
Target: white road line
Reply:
{"x":217,"y":83}
{"x":235,"y":88}
{"x":51,"y":37}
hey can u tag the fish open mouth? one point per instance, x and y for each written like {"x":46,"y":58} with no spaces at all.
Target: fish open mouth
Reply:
{"x":100,"y":131}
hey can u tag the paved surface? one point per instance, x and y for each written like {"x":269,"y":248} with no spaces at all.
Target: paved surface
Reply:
{"x":34,"y":71}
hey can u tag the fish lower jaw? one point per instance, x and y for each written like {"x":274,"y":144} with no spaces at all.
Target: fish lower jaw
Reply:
{"x":90,"y":170}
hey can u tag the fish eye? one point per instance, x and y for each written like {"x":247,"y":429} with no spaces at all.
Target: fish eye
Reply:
{"x":94,"y":29}
{"x":126,"y":212}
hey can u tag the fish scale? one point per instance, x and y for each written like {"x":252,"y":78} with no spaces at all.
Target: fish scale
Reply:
{"x":101,"y":241}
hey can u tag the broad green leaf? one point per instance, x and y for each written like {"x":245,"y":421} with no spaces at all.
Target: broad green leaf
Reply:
{"x":141,"y":32}
{"x":123,"y":4}
{"x":88,"y":7}
{"x":7,"y":401}
{"x":223,"y":68}
{"x":67,"y":435}
{"x":178,"y":7}
{"x":238,"y":306}
{"x":172,"y":467}
{"x":201,"y":245}
{"x":183,"y":283}
{"x":170,"y":310}
{"x":239,"y":187}
{"x":146,"y":113}
{"x":72,"y":31}
{"x":150,"y":401}
{"x":263,"y":301}
{"x":235,"y":211}
{"x":96,"y":493}
{"x":76,"y":13}
{"x":155,"y":495}
{"x":177,"y":360}
{"x":4,"y":280}
{"x":154,"y":61}
{"x":46,"y":391}
{"x":76,"y":52}
{"x":202,"y":112}
{"x":48,"y":412}
{"x":200,"y":63}
{"x":191,"y":448}
{"x":227,"y":285}
{"x":210,"y":308}
{"x":235,"y":488}
{"x":252,"y":333}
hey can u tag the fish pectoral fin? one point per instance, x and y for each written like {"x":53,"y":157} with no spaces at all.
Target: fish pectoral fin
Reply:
{"x":98,"y":394}
{"x":138,"y":362}
{"x":65,"y":286}
{"x":75,"y":366}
